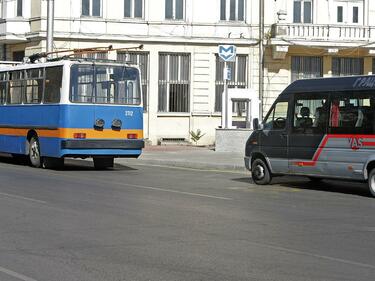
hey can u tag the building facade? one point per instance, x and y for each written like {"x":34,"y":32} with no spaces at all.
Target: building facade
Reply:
{"x":182,"y":76}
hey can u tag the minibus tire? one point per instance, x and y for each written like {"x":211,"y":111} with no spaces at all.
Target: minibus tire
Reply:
{"x":371,"y":182}
{"x":102,"y":163}
{"x":260,"y":172}
{"x":34,"y":152}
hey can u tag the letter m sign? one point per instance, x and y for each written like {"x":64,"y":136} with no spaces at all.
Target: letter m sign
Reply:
{"x":227,"y":52}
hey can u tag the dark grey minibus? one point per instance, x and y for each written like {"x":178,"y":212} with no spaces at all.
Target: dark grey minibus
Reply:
{"x":319,"y":128}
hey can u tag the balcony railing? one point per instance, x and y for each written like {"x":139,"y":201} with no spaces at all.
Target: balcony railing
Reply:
{"x":323,"y":32}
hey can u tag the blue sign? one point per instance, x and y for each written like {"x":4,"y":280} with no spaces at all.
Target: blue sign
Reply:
{"x":227,"y":52}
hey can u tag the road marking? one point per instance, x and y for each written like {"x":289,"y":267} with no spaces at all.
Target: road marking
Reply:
{"x":315,"y":255}
{"x":175,"y":191}
{"x":184,"y":168}
{"x":152,"y":188}
{"x":23,"y":198}
{"x":15,"y":274}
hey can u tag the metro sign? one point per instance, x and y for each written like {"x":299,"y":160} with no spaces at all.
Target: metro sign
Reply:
{"x":227,"y":52}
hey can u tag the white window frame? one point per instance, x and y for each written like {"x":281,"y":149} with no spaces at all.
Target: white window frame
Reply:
{"x":132,"y":10}
{"x":174,"y":10}
{"x":91,"y":6}
{"x":227,"y":11}
{"x":303,"y":11}
{"x":347,"y":11}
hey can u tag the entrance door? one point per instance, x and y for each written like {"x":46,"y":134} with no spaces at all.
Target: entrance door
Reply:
{"x":274,"y":137}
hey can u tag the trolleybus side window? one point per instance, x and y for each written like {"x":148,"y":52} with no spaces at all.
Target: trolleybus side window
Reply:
{"x":276,"y":119}
{"x":3,"y":86}
{"x":352,"y":113}
{"x":16,"y":87}
{"x":34,"y":85}
{"x":310,"y":115}
{"x":53,"y":84}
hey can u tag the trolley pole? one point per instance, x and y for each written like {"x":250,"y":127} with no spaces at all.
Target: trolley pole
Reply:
{"x":50,"y":19}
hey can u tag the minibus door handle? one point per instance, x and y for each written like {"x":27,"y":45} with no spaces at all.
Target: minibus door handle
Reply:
{"x":283,"y":135}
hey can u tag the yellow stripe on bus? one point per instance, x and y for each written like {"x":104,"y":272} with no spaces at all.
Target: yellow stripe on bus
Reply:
{"x":68,"y":133}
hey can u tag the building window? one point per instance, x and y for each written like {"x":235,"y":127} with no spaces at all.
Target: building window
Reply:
{"x":174,"y":9}
{"x":91,"y":8}
{"x":174,"y":82}
{"x":339,"y":13}
{"x":302,"y":11}
{"x":141,"y":59}
{"x":233,"y":10}
{"x":355,"y":14}
{"x":306,"y":67}
{"x":239,"y":80}
{"x":18,"y":55}
{"x":347,"y":66}
{"x":133,"y":8}
{"x":19,"y":8}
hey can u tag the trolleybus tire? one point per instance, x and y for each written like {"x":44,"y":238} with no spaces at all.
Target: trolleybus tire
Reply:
{"x":101,"y":163}
{"x":34,"y":152}
{"x":371,"y":182}
{"x":260,"y":172}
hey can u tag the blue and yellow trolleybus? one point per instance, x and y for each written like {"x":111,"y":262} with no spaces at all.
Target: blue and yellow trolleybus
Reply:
{"x":71,"y":108}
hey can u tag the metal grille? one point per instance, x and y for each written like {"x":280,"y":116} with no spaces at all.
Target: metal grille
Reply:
{"x":239,"y":80}
{"x":142,"y":60}
{"x":347,"y":66}
{"x":174,"y":82}
{"x":306,"y":67}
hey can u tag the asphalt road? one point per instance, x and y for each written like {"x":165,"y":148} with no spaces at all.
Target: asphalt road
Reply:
{"x":156,"y":223}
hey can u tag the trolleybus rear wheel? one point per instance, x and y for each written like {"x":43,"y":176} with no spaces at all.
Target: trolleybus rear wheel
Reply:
{"x":260,"y":172}
{"x":371,"y":182}
{"x":34,"y":152}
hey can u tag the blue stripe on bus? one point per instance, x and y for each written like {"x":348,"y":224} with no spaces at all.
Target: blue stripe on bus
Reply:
{"x":70,"y":116}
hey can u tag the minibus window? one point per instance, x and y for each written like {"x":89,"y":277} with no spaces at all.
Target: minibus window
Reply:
{"x":276,"y":120}
{"x":352,"y":114}
{"x":310,"y":115}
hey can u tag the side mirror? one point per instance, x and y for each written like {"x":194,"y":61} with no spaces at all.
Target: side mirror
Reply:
{"x":255,"y":124}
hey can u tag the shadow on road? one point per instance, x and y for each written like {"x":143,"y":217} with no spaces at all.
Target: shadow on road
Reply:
{"x":70,"y":164}
{"x":336,"y":186}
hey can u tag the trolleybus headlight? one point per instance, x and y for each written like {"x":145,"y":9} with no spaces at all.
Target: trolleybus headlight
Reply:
{"x":99,"y":123}
{"x":116,"y":124}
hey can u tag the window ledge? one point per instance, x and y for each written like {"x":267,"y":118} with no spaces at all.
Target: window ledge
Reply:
{"x":173,"y":114}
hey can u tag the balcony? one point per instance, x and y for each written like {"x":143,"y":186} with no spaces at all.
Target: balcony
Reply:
{"x":14,"y":30}
{"x":321,"y":34}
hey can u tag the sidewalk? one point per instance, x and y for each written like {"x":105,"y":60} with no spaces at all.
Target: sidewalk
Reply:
{"x":189,"y":157}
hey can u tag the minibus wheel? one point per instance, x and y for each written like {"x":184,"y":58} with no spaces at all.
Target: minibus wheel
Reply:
{"x":34,"y":152}
{"x":260,"y":172}
{"x":371,"y":182}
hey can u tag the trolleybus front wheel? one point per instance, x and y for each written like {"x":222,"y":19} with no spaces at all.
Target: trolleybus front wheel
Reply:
{"x":34,"y":152}
{"x":260,"y":172}
{"x":371,"y":182}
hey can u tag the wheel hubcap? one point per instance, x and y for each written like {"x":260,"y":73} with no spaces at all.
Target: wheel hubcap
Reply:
{"x":34,"y":151}
{"x":372,"y":184}
{"x":259,"y":172}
